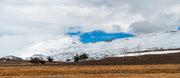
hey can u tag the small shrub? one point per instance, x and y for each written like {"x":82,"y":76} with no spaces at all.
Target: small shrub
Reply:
{"x":50,"y":59}
{"x":42,"y":61}
{"x":68,"y":60}
{"x":76,"y":58}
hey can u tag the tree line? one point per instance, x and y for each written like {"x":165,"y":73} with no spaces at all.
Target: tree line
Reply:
{"x":40,"y":60}
{"x":76,"y":58}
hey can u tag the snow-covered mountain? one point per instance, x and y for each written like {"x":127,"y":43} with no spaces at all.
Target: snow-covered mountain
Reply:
{"x":12,"y":57}
{"x":66,"y":48}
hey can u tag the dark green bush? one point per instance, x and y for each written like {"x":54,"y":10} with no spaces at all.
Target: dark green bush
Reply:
{"x":77,"y":58}
{"x":50,"y":59}
{"x":36,"y":60}
{"x":84,"y":56}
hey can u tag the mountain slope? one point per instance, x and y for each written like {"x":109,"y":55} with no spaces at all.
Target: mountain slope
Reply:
{"x":12,"y":57}
{"x":66,"y":48}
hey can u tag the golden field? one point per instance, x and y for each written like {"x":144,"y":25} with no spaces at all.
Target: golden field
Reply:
{"x":101,"y":71}
{"x":146,"y":66}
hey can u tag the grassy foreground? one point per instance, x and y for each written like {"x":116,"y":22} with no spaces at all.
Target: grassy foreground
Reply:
{"x":103,"y":71}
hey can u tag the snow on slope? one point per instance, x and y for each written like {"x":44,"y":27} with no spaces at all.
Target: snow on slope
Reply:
{"x":147,"y":53}
{"x":66,"y":48}
{"x":12,"y":57}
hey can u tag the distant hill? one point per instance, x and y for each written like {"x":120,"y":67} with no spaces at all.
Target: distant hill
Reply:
{"x":12,"y":57}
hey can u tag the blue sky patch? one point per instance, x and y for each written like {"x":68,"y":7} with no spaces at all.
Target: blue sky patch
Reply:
{"x":74,"y":33}
{"x":98,"y":35}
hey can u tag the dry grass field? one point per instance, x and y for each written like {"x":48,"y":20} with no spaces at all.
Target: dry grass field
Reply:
{"x":147,"y":66}
{"x":104,"y":71}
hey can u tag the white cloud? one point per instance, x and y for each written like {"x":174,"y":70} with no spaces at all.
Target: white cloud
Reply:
{"x":48,"y":19}
{"x":166,"y":22}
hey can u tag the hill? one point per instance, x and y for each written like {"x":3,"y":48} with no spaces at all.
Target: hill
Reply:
{"x":173,"y":58}
{"x":65,"y":49}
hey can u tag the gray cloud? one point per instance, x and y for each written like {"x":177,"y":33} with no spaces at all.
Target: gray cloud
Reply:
{"x":155,"y":24}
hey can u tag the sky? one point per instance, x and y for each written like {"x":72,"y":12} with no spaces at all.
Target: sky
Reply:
{"x":24,"y":22}
{"x":98,"y":35}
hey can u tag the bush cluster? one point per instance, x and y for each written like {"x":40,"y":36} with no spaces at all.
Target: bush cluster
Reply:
{"x":37,"y":60}
{"x":81,"y":57}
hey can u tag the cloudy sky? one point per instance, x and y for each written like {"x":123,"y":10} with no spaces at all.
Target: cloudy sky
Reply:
{"x":23,"y":22}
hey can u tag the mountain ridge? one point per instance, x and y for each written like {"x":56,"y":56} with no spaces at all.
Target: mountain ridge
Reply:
{"x":66,"y":48}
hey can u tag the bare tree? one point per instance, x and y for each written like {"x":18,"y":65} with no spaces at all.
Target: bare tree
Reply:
{"x":138,"y":49}
{"x":125,"y":51}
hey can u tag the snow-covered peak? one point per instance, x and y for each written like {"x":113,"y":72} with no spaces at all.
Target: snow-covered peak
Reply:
{"x":55,"y":43}
{"x":50,"y":47}
{"x":12,"y":57}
